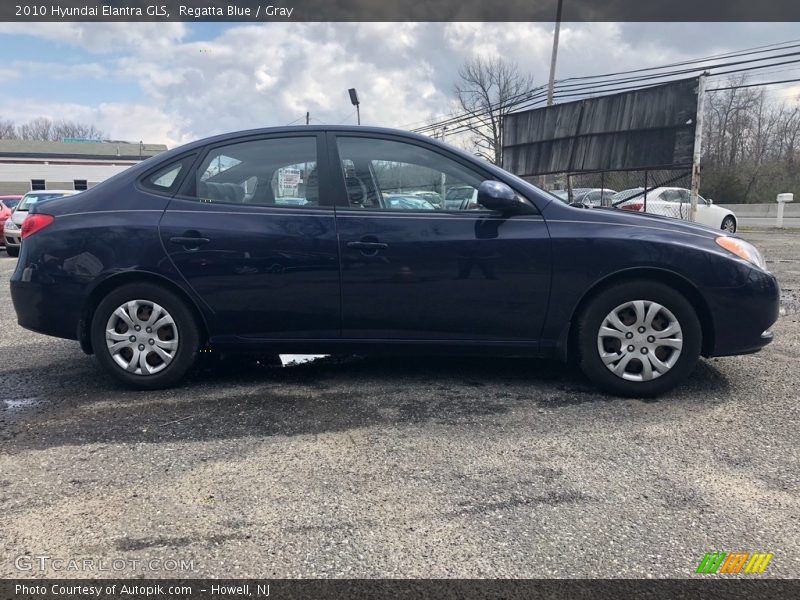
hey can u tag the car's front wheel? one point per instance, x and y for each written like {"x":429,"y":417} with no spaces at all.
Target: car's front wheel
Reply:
{"x":12,"y":250}
{"x":729,"y":224}
{"x":638,"y":339}
{"x":145,"y":335}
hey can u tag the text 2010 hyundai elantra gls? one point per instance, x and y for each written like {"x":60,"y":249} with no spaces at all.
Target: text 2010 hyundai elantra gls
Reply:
{"x":282,"y":240}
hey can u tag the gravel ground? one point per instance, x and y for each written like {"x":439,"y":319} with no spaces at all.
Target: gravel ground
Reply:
{"x":401,"y":468}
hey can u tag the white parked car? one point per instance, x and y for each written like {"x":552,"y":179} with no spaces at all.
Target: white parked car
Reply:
{"x":12,"y":230}
{"x":586,"y":197}
{"x":676,"y":202}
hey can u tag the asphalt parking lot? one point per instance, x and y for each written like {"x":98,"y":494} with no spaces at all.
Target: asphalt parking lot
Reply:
{"x":400,"y":467}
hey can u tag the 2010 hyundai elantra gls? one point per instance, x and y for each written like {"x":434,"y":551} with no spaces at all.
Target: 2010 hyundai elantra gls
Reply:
{"x":284,"y":240}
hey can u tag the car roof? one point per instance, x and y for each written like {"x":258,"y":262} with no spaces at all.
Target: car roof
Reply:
{"x":307,"y":128}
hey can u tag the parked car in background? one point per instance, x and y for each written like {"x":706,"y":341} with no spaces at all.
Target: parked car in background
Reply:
{"x":12,"y":228}
{"x":146,"y":271}
{"x":460,"y":197}
{"x":676,"y":202}
{"x":587,"y":197}
{"x":432,"y":197}
{"x":7,"y":205}
{"x":398,"y":201}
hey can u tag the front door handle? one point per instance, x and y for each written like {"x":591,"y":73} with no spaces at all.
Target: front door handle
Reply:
{"x":367,"y":246}
{"x":189,"y":242}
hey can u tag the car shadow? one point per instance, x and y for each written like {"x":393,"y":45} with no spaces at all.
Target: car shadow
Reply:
{"x":72,"y":402}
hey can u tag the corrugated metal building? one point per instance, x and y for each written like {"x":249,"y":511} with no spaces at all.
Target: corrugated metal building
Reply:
{"x":29,"y":165}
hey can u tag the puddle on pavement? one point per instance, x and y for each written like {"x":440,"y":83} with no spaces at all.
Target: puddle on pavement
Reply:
{"x":19,"y":403}
{"x":289,"y":360}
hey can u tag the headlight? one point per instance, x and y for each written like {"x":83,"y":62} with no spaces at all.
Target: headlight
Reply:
{"x":11,"y":226}
{"x":742,"y":249}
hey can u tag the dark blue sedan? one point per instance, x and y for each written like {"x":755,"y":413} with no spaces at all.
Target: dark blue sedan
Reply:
{"x":282,"y":240}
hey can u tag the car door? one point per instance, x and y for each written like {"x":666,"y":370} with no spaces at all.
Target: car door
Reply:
{"x":433,"y":274}
{"x":252,"y":231}
{"x":706,"y":214}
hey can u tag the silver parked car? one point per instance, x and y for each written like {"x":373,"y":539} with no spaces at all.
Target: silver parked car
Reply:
{"x":12,"y":230}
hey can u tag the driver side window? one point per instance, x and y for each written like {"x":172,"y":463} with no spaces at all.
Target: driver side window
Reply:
{"x":399,"y":176}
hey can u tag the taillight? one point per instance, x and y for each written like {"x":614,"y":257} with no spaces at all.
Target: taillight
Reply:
{"x":35,"y":223}
{"x":635,"y":206}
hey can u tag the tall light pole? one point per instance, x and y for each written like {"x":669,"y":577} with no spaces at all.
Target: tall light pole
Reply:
{"x":354,"y":101}
{"x":554,"y":56}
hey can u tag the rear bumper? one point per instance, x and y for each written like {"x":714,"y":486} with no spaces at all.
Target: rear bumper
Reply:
{"x":743,"y":316}
{"x":48,"y":308}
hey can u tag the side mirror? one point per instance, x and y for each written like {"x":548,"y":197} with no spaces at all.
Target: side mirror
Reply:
{"x":710,"y":201}
{"x":497,"y":196}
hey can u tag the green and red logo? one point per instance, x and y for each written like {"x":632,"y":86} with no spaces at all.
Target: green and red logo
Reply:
{"x":734,"y":562}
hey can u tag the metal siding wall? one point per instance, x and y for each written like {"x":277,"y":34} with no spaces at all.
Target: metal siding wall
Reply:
{"x":648,"y":128}
{"x":12,"y":188}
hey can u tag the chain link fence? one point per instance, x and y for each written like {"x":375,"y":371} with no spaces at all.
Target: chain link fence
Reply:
{"x":663,"y":192}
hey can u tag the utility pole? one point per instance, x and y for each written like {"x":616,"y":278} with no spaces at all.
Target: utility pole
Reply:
{"x":552,"y":80}
{"x":308,"y":117}
{"x":554,"y":55}
{"x":698,"y":143}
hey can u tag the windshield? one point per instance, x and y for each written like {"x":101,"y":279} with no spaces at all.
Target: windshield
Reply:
{"x":31,"y":199}
{"x":10,"y":203}
{"x":626,"y":195}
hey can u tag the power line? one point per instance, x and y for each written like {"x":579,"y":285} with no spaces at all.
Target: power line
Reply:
{"x":774,"y":47}
{"x":749,"y":85}
{"x":531,"y":97}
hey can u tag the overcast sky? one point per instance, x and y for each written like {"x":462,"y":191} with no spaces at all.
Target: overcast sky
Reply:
{"x":175,"y":82}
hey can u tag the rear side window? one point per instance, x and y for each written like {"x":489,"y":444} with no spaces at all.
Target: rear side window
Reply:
{"x":266,"y":172}
{"x":167,"y":179}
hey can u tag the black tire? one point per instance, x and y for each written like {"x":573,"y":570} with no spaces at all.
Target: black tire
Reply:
{"x":12,"y":251}
{"x":188,"y":333}
{"x":729,"y":224}
{"x":591,"y":319}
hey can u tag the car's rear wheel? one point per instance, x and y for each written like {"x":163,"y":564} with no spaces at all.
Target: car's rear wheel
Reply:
{"x":729,"y":224}
{"x":12,"y":251}
{"x":145,"y":335}
{"x":638,"y":339}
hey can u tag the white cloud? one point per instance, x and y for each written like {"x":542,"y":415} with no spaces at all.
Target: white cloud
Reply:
{"x":258,"y":75}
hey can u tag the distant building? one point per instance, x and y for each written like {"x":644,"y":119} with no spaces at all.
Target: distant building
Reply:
{"x":71,"y":164}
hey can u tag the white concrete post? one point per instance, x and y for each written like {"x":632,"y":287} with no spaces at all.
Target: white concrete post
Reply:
{"x":698,"y":146}
{"x":782,"y":200}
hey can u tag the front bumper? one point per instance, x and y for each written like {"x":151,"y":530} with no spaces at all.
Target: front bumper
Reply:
{"x":12,"y":238}
{"x":743,"y":316}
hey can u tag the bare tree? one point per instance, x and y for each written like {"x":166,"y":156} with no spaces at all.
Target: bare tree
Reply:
{"x":8,"y":131}
{"x":73,"y":129}
{"x":39,"y":129}
{"x":43,"y":129}
{"x":487,"y":90}
{"x":751,"y":144}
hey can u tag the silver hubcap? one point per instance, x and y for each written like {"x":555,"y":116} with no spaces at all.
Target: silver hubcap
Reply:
{"x":729,"y":226}
{"x":142,"y":337}
{"x":640,"y":340}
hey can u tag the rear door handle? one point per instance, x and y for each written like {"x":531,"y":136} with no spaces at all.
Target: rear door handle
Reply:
{"x":367,"y":246}
{"x":189,"y":242}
